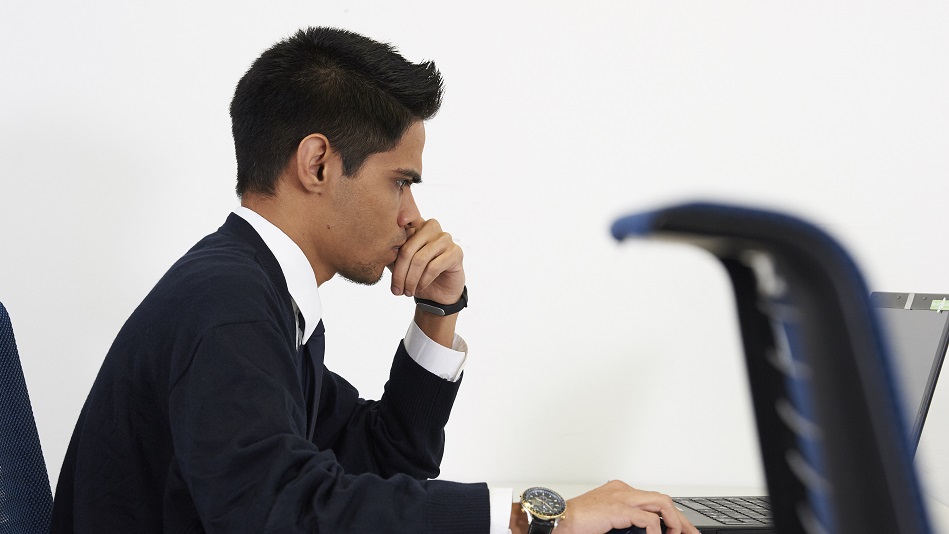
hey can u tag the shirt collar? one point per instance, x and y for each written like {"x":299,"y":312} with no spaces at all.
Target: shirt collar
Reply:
{"x":301,"y":282}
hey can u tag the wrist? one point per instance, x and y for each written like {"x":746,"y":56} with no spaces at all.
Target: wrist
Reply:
{"x":545,"y":507}
{"x":440,"y":329}
{"x":519,"y":524}
{"x":442,"y":309}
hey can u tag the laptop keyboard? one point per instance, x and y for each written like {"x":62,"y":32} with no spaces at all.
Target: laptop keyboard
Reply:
{"x":731,"y":510}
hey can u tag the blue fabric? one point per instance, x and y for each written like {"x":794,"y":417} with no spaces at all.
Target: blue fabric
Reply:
{"x":25,"y":497}
{"x":638,"y":224}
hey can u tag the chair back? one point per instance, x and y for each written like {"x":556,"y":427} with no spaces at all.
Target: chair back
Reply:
{"x":836,"y":450}
{"x":25,"y":496}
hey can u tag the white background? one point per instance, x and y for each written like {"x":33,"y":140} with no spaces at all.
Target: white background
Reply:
{"x":590,"y":360}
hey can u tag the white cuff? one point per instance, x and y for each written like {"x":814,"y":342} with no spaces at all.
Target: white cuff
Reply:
{"x":501,"y":499}
{"x":447,"y":363}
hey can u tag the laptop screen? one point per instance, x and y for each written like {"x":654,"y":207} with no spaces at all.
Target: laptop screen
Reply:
{"x":917,"y":329}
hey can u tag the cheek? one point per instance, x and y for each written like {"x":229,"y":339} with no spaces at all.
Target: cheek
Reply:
{"x":383,"y":212}
{"x":370,"y":216}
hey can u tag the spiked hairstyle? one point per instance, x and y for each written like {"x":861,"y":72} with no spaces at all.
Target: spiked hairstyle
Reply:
{"x":361,"y":94}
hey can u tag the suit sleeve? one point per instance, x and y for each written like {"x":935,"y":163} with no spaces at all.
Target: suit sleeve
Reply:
{"x":401,"y":433}
{"x":238,"y":424}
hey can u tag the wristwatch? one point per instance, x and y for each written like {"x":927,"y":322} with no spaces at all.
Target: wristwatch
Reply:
{"x":437,"y":308}
{"x":544,"y":507}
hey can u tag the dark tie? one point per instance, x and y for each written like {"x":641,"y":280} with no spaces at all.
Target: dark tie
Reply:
{"x":311,"y":361}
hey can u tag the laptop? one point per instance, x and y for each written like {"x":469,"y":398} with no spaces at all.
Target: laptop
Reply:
{"x":917,"y":330}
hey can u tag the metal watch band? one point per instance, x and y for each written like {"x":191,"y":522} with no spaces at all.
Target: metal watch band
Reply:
{"x":435,"y":308}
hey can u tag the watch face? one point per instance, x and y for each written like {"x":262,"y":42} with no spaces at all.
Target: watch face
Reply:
{"x":543,"y":503}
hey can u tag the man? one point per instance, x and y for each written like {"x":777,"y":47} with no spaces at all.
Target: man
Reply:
{"x":213,"y":410}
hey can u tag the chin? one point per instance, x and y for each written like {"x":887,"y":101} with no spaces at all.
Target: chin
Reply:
{"x":365,"y":274}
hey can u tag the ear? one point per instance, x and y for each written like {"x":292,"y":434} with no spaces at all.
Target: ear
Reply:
{"x":317,"y":164}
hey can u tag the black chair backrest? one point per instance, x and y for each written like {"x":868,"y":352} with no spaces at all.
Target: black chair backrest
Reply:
{"x":836,"y":451}
{"x":25,"y":496}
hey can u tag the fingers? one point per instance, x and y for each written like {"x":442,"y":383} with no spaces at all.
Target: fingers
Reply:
{"x":672,"y":518}
{"x":663,"y":506}
{"x":648,"y":520}
{"x":629,"y":506}
{"x":426,"y":255}
{"x":658,"y":504}
{"x":648,"y":509}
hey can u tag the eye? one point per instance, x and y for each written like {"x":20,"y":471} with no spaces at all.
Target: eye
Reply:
{"x":403,"y":184}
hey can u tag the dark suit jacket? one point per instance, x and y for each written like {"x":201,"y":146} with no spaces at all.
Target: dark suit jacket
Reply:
{"x":206,"y":417}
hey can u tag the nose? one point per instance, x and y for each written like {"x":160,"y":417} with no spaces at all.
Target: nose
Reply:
{"x":409,"y":216}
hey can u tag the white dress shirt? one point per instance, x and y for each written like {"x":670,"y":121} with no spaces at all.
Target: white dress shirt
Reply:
{"x":447,"y":363}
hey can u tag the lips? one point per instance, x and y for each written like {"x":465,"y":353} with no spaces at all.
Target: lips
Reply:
{"x":397,"y":248}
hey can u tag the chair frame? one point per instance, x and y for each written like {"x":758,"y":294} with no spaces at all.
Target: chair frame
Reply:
{"x":837,"y":454}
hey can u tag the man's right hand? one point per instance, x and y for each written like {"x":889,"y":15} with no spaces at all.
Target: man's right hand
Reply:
{"x":617,"y":505}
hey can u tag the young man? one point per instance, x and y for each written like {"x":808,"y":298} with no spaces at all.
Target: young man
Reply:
{"x":213,"y":410}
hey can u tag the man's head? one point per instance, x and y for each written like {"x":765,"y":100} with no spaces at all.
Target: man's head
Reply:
{"x":360,"y":94}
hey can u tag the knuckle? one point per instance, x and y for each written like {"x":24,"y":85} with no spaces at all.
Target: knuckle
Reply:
{"x":418,"y":261}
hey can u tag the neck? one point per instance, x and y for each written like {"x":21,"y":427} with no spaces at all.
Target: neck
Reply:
{"x":290,"y":219}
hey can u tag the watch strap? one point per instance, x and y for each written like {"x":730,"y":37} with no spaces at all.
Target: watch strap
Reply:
{"x":541,"y":526}
{"x":436,"y":308}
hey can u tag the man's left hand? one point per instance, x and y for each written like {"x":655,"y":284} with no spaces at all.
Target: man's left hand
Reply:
{"x":429,"y":265}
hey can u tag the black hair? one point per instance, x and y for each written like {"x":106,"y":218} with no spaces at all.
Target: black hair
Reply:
{"x":361,"y":94}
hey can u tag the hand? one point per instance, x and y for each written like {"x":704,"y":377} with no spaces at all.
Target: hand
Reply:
{"x":618,"y":505}
{"x":429,"y":265}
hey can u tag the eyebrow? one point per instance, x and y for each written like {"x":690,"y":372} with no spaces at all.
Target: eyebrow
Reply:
{"x":409,"y":173}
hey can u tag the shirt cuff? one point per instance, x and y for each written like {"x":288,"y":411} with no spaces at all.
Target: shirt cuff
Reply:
{"x":444,"y":362}
{"x":501,"y":499}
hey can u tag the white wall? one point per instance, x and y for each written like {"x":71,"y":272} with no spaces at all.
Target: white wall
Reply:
{"x":621,"y":361}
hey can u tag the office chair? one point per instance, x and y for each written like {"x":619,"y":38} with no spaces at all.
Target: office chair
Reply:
{"x":836,"y":451}
{"x":25,"y":497}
